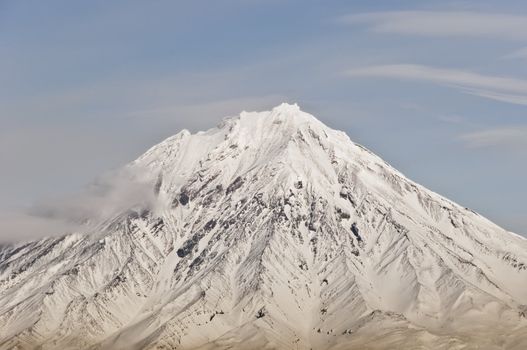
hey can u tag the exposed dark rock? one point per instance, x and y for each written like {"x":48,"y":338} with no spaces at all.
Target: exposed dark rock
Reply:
{"x":188,"y":246}
{"x":238,"y":182}
{"x":355,"y":231}
{"x":73,"y":271}
{"x":158,"y":225}
{"x":195,"y":263}
{"x":343,"y":214}
{"x":184,"y":198}
{"x":158,"y":184}
{"x":210,"y":225}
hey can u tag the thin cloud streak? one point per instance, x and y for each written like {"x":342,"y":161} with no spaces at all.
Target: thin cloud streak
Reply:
{"x":504,"y":89}
{"x":443,"y":23}
{"x":498,"y":96}
{"x":515,"y":137}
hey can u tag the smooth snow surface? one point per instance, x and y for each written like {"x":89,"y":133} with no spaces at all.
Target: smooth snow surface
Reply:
{"x":252,"y":247}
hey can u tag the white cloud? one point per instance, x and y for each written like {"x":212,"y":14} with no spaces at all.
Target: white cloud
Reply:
{"x":504,"y":89}
{"x":443,"y":23}
{"x":107,"y":196}
{"x":110,"y":195}
{"x":21,"y":226}
{"x":515,"y":137}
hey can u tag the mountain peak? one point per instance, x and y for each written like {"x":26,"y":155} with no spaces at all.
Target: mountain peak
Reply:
{"x":293,"y":114}
{"x":279,"y":123}
{"x":286,"y":107}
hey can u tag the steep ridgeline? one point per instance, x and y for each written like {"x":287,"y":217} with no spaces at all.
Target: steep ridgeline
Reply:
{"x":271,"y":231}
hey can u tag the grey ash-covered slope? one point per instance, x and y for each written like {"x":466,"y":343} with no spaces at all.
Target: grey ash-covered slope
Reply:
{"x":271,"y":231}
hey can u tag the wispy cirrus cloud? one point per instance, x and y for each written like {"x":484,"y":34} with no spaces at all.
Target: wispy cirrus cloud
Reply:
{"x":499,"y":88}
{"x":443,"y":23}
{"x":502,"y":137}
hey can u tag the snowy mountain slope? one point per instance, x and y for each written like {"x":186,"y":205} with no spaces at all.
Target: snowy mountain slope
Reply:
{"x":271,"y":231}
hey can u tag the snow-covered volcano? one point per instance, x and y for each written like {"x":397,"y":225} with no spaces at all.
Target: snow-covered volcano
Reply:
{"x":271,"y":231}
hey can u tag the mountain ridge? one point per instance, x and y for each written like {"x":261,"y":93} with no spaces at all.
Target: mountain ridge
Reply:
{"x":271,"y":231}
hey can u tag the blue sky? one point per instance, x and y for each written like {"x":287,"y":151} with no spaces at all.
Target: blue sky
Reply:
{"x":438,"y":89}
